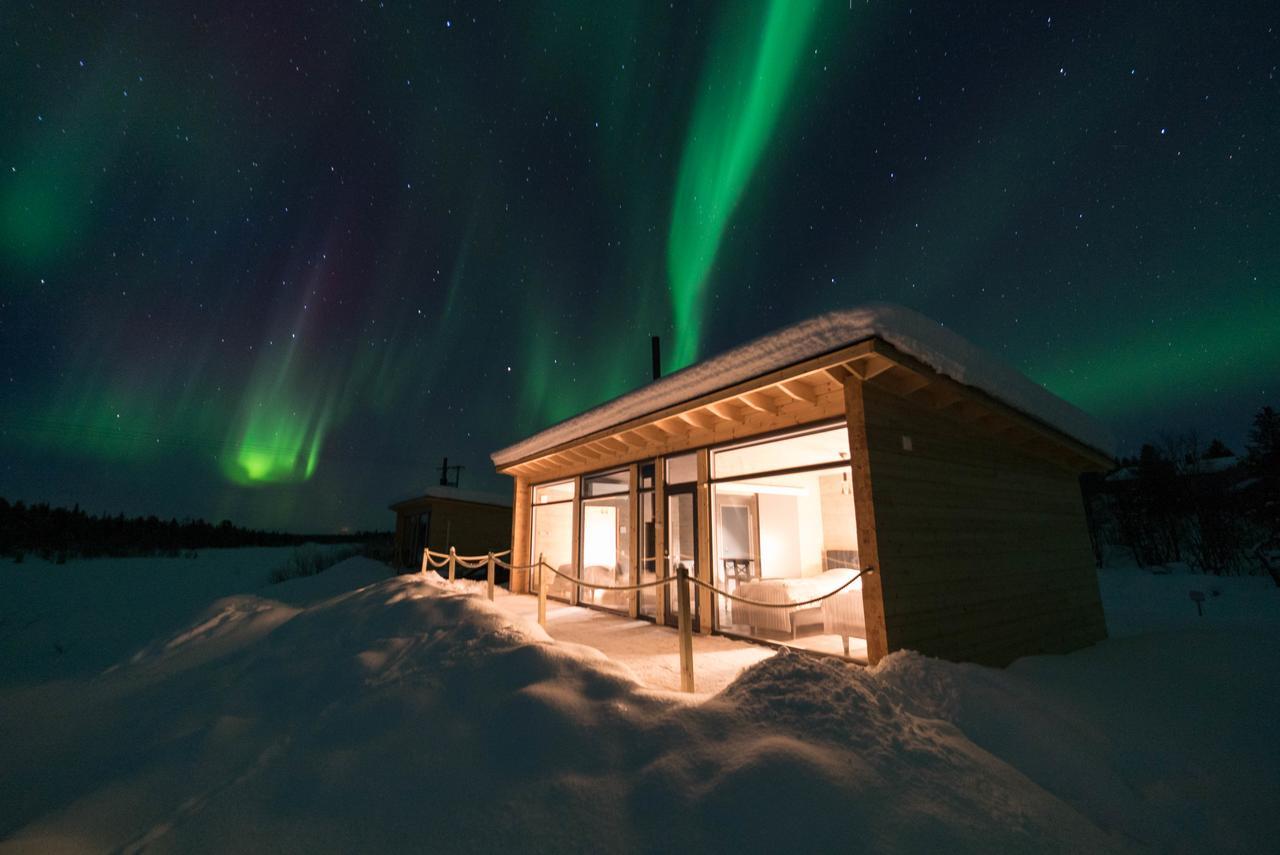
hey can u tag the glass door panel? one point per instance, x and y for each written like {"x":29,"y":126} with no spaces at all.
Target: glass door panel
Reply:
{"x":682,"y":540}
{"x":553,"y":540}
{"x":648,"y":556}
{"x":606,"y":558}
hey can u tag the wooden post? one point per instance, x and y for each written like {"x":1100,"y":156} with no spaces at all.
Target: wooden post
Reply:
{"x":453,"y":564}
{"x":518,"y":582}
{"x":660,"y":568}
{"x":542,"y":593}
{"x":633,"y":538}
{"x":685,"y":622}
{"x":873,"y":603}
{"x":702,"y":509}
{"x":424,"y":560}
{"x":489,"y":576}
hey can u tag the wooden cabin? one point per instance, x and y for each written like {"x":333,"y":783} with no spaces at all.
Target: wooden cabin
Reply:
{"x":871,"y":439}
{"x":471,"y":521}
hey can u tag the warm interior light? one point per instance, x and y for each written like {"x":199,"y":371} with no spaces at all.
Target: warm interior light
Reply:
{"x":742,"y":489}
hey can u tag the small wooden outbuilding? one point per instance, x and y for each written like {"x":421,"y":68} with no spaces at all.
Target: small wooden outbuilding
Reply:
{"x":471,"y":521}
{"x":871,"y":439}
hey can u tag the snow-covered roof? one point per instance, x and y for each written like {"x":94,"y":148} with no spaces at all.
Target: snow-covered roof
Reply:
{"x":457,"y":494}
{"x":908,"y":331}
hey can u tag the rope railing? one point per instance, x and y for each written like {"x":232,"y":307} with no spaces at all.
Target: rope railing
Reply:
{"x":681,"y":575}
{"x":737,"y":599}
{"x":516,"y":566}
{"x":701,"y":584}
{"x":598,"y":586}
{"x":484,"y":557}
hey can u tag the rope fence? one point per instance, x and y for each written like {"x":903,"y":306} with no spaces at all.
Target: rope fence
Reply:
{"x":737,"y":599}
{"x":681,"y":578}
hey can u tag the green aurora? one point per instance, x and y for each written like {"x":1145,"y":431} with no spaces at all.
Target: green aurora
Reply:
{"x":274,"y":268}
{"x":739,"y":104}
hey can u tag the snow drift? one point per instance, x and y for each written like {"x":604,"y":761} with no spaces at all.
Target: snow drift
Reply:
{"x":410,"y":714}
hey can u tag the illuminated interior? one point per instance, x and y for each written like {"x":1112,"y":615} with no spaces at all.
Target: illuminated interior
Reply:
{"x":782,"y":532}
{"x":553,"y":535}
{"x":786,"y":537}
{"x":606,"y":511}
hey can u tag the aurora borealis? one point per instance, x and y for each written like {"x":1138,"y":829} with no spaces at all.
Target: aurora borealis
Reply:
{"x":273,"y":262}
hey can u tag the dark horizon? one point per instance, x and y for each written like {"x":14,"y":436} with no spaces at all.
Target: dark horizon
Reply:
{"x":271,"y":264}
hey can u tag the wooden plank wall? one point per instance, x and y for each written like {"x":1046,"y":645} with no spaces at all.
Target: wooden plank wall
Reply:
{"x":473,"y":529}
{"x":982,"y":548}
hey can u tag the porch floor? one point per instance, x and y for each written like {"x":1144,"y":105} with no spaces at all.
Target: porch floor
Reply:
{"x":649,"y":650}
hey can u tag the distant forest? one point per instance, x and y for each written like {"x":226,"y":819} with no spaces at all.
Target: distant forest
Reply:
{"x":57,"y":534}
{"x":1181,"y":501}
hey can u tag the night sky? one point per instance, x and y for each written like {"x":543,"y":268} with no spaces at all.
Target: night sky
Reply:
{"x":272,"y":262}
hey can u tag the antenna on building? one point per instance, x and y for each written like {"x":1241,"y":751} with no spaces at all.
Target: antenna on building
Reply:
{"x":445,"y":469}
{"x":656,"y":345}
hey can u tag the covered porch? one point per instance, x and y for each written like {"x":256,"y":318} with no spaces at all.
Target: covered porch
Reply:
{"x":648,"y":649}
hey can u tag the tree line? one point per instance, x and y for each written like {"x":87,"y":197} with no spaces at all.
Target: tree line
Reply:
{"x":1180,"y":500}
{"x":57,"y":534}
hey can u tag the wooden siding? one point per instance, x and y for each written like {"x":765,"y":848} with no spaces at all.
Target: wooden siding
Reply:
{"x":472,"y":528}
{"x":981,"y":546}
{"x":520,"y":535}
{"x":865,"y":520}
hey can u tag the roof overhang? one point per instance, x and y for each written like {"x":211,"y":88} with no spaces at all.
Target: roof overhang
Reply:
{"x":779,"y":380}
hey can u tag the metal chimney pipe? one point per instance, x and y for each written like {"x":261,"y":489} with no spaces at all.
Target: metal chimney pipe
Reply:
{"x":656,"y":343}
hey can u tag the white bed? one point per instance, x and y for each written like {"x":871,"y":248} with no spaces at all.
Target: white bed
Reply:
{"x":838,"y":615}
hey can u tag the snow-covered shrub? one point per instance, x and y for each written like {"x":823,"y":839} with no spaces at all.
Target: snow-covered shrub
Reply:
{"x":310,"y":561}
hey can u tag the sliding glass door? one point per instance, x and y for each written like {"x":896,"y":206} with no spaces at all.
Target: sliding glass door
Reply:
{"x":648,"y":542}
{"x":606,"y":550}
{"x":553,"y":536}
{"x":784,"y":534}
{"x":682,"y":544}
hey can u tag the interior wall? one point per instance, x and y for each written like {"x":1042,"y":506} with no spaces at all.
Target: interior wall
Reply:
{"x":779,"y":535}
{"x":809,"y":527}
{"x":839,"y":520}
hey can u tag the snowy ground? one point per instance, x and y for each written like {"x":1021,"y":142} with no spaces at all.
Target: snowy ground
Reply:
{"x":200,"y":711}
{"x":648,"y":651}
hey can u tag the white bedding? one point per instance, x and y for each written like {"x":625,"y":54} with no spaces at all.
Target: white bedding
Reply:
{"x":787,"y":590}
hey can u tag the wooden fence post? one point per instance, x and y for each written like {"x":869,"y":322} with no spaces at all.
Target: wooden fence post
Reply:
{"x":542,"y":594}
{"x":685,"y":625}
{"x":453,"y":564}
{"x":489,"y":575}
{"x":425,"y":552}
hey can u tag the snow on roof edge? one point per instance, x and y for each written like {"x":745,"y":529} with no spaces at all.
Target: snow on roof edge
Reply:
{"x":457,"y":494}
{"x":910,"y":332}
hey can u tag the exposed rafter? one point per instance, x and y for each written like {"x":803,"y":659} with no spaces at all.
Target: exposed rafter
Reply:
{"x":613,"y":443}
{"x":904,"y":381}
{"x":758,"y":401}
{"x":673,"y":426}
{"x":799,"y":390}
{"x":701,"y":419}
{"x":838,"y":373}
{"x":727,"y":410}
{"x":870,"y":366}
{"x":633,"y":439}
{"x":652,"y":433}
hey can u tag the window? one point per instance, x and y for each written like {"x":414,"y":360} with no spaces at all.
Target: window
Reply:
{"x":606,"y":484}
{"x":785,"y":532}
{"x":553,"y":535}
{"x":648,"y":552}
{"x":606,"y":551}
{"x":830,"y":445}
{"x":682,"y":469}
{"x":558,"y":492}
